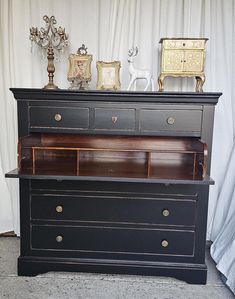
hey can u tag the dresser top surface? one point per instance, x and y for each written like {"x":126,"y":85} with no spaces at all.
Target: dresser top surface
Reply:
{"x":182,"y":38}
{"x":115,"y":96}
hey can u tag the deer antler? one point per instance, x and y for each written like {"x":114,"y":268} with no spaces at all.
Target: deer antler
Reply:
{"x":133,"y":52}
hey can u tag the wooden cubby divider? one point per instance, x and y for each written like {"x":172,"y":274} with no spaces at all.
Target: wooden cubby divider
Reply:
{"x":154,"y":155}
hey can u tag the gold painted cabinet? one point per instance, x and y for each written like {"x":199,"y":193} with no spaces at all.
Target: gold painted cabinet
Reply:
{"x":183,"y":58}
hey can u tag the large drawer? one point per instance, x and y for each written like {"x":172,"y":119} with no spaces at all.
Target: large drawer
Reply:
{"x":58,"y":117}
{"x":167,"y":121}
{"x":114,"y":119}
{"x":113,"y":239}
{"x":113,"y":209}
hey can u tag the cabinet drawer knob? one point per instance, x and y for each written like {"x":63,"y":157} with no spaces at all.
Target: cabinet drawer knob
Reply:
{"x":59,"y":209}
{"x":165,"y":212}
{"x":58,"y":117}
{"x":170,"y":120}
{"x":114,"y":119}
{"x":164,"y":243}
{"x":59,"y":239}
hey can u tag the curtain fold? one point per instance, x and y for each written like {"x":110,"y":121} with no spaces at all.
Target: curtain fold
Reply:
{"x":9,"y":204}
{"x":109,"y":28}
{"x":223,"y":247}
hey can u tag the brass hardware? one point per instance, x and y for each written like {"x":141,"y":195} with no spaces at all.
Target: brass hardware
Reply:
{"x":59,"y":209}
{"x":165,"y":212}
{"x":170,"y":120}
{"x":114,"y":119}
{"x":164,"y":243}
{"x":59,"y":239}
{"x":58,"y":117}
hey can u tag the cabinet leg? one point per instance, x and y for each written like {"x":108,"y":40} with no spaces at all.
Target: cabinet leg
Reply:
{"x":160,"y":82}
{"x":199,"y":83}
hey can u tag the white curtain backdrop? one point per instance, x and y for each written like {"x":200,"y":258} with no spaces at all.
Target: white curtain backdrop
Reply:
{"x":109,"y":28}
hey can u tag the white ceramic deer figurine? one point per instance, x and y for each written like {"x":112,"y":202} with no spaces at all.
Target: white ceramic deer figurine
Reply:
{"x":136,"y":73}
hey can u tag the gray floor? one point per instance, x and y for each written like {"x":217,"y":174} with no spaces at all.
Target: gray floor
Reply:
{"x":98,"y":286}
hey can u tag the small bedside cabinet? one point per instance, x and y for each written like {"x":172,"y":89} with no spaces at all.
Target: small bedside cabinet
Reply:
{"x":183,"y":57}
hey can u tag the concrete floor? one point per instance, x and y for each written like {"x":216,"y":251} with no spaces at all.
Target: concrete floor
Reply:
{"x":99,"y":286}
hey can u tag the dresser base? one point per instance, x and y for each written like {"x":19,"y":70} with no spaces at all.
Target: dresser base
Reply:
{"x":191,"y":273}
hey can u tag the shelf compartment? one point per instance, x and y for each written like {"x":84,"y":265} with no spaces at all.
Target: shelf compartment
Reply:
{"x":118,"y":156}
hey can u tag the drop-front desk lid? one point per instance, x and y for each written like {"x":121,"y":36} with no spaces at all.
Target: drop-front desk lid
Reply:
{"x":45,"y":175}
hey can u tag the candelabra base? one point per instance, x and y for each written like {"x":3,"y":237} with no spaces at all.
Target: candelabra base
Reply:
{"x":50,"y":86}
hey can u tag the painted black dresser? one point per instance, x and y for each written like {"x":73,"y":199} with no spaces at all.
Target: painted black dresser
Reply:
{"x":114,"y":182}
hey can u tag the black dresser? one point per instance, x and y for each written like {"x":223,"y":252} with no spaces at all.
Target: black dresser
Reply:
{"x":114,"y":182}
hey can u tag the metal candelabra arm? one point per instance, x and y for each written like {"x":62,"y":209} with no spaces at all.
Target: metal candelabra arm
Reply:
{"x":50,"y":38}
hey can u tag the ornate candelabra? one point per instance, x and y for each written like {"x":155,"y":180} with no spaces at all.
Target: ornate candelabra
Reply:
{"x":49,"y":38}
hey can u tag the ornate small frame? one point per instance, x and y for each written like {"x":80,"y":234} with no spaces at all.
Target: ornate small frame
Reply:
{"x":79,"y":67}
{"x":108,"y":75}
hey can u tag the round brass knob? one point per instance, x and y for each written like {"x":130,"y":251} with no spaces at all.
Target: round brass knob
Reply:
{"x":59,"y":209}
{"x":165,"y":212}
{"x":164,"y":243}
{"x":58,"y":117}
{"x":170,"y":120}
{"x":59,"y":239}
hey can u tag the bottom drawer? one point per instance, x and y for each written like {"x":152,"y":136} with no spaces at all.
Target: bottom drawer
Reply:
{"x":113,"y":239}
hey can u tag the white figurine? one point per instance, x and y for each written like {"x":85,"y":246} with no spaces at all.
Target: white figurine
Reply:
{"x":136,"y":73}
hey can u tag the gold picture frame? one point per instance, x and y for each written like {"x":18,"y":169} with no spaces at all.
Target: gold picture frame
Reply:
{"x":108,"y":75}
{"x":79,"y":67}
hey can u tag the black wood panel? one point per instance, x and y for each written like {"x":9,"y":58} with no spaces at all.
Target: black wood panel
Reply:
{"x":191,"y":273}
{"x":44,"y":117}
{"x":72,"y":175}
{"x":108,"y":208}
{"x":140,"y":189}
{"x":112,"y":239}
{"x":183,"y":120}
{"x":114,"y":119}
{"x":114,"y":96}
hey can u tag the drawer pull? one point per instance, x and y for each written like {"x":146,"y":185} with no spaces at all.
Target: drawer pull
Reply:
{"x":164,"y":243}
{"x":59,"y":239}
{"x":170,"y":120}
{"x":59,"y":209}
{"x":114,"y":119}
{"x":58,"y":117}
{"x":166,"y":213}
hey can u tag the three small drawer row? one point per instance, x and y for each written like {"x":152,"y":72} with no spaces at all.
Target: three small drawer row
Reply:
{"x":102,"y":120}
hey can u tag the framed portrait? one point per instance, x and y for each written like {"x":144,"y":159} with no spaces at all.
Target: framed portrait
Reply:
{"x":108,"y":75}
{"x":79,"y":67}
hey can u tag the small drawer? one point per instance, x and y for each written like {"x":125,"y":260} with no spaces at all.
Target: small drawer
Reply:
{"x":184,"y":44}
{"x":58,"y":117}
{"x":184,"y":121}
{"x":110,"y":209}
{"x":113,"y":239}
{"x":114,"y":119}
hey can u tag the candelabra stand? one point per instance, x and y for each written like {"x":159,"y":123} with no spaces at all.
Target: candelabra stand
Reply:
{"x":49,"y":38}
